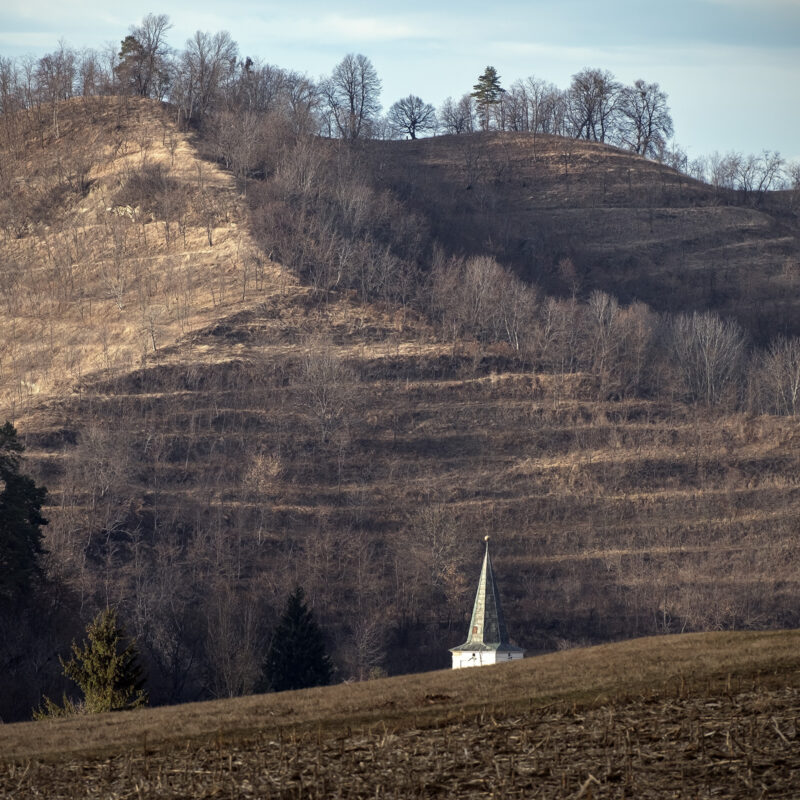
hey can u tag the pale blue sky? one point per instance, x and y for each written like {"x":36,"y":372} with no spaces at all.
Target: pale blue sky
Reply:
{"x":731,"y":67}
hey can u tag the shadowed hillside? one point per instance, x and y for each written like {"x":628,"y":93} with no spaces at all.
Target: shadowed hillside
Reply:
{"x":576,"y":216}
{"x":214,"y":430}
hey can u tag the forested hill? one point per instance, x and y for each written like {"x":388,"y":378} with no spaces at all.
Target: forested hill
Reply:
{"x":234,"y":381}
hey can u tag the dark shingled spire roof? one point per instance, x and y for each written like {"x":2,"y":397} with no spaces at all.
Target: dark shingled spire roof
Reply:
{"x":487,"y":629}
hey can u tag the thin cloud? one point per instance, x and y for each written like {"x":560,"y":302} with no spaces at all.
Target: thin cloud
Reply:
{"x":372,"y":29}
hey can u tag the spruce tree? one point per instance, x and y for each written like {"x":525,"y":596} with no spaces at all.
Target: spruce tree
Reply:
{"x":297,"y":658}
{"x":108,"y":674}
{"x":487,"y":93}
{"x":21,"y":521}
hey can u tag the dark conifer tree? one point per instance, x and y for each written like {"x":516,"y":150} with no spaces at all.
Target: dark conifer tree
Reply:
{"x":297,"y":658}
{"x":21,"y":521}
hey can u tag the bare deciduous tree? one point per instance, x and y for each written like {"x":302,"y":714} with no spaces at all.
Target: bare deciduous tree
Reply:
{"x":458,"y":117}
{"x":207,"y":64}
{"x":778,"y":377}
{"x":708,"y":352}
{"x":647,"y":122}
{"x":756,"y":174}
{"x":327,"y":388}
{"x":412,"y":115}
{"x":352,"y":97}
{"x":594,"y":98}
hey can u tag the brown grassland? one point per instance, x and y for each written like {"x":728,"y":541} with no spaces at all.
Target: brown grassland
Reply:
{"x":697,"y":715}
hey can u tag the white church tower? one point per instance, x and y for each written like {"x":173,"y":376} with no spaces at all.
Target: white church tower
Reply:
{"x":487,"y":641}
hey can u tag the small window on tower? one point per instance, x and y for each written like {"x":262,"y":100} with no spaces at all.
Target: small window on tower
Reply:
{"x":474,"y":628}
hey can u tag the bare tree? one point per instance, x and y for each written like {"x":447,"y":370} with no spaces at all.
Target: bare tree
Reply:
{"x":207,"y":64}
{"x":756,"y":174}
{"x":55,"y":79}
{"x":594,"y":104}
{"x":708,"y":351}
{"x":235,"y":135}
{"x":514,"y":108}
{"x":722,"y":170}
{"x":647,"y":122}
{"x":352,"y":96}
{"x":302,"y":100}
{"x":778,"y":377}
{"x":10,"y":89}
{"x":458,"y":117}
{"x":793,"y":176}
{"x":412,"y":115}
{"x":92,"y":77}
{"x":327,"y":389}
{"x":603,"y":314}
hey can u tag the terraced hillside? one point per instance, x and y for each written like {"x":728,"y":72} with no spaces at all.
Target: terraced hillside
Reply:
{"x":616,"y":221}
{"x":246,"y":434}
{"x":368,"y":465}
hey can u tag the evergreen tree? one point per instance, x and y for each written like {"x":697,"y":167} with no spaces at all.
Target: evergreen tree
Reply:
{"x":487,"y":93}
{"x":107,"y":673}
{"x":21,"y":521}
{"x":297,"y":658}
{"x":130,"y":69}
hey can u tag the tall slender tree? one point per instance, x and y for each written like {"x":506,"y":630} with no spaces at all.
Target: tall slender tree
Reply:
{"x":487,"y":93}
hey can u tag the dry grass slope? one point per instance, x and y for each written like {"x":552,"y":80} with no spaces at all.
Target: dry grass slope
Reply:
{"x":688,"y":716}
{"x":118,"y":240}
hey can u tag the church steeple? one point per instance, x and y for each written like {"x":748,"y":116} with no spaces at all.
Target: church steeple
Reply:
{"x":487,"y":639}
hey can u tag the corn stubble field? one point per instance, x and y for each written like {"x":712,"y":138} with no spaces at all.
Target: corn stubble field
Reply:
{"x":702,"y":715}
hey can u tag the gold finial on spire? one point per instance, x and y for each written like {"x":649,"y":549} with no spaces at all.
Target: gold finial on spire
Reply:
{"x":486,"y":538}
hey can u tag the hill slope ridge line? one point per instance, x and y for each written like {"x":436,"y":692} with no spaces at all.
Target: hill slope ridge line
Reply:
{"x":585,"y":677}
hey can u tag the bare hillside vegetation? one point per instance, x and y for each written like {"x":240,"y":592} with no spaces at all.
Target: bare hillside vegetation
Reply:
{"x":215,"y":429}
{"x":572,"y":215}
{"x":116,"y":241}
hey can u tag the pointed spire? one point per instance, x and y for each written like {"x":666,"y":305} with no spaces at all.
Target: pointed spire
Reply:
{"x":487,"y":629}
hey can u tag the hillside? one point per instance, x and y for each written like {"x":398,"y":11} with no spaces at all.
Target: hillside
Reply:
{"x":108,"y":224}
{"x":213,"y":432}
{"x":698,"y":715}
{"x":629,"y":226}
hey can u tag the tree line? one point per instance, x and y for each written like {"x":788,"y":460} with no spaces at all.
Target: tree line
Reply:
{"x":209,"y":79}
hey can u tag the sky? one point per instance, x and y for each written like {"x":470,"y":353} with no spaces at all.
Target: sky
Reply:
{"x":731,"y":68}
